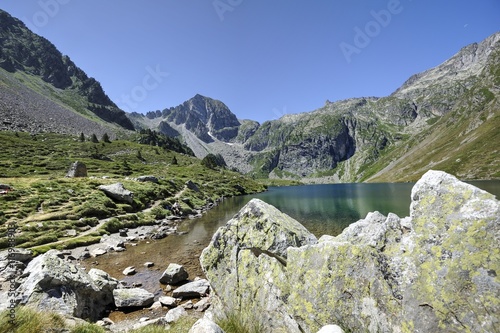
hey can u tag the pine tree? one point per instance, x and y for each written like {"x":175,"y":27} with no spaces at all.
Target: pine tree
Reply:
{"x":105,"y":138}
{"x":82,"y":137}
{"x":94,"y":139}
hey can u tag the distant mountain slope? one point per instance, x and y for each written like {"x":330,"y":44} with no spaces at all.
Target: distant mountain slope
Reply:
{"x":446,"y":117}
{"x":38,"y":82}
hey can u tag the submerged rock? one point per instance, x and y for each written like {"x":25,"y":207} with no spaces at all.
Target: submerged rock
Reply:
{"x":434,"y":271}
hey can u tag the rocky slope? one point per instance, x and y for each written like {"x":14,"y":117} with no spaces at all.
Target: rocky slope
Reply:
{"x":434,"y":271}
{"x":38,"y":85}
{"x":449,"y":112}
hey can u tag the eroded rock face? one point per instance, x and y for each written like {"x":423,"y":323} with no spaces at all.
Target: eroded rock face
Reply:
{"x":55,"y":284}
{"x":434,"y":271}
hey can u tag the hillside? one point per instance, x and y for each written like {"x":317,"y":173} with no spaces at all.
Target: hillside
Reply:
{"x":43,"y":91}
{"x":47,"y":207}
{"x":446,"y":117}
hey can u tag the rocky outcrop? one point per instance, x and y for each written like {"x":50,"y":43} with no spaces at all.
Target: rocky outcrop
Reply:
{"x":436,"y":270}
{"x":248,"y":256}
{"x":118,"y":192}
{"x":54,"y":284}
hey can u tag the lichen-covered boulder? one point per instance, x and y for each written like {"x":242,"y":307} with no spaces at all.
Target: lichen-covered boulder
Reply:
{"x":55,"y":284}
{"x":434,"y":271}
{"x":247,"y":257}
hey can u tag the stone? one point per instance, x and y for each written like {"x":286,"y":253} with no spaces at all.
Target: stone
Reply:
{"x":174,"y":274}
{"x":55,"y":284}
{"x":188,"y":305}
{"x":113,"y":242}
{"x":434,"y":271}
{"x":16,"y":254}
{"x":192,"y":186}
{"x":205,"y":325}
{"x":168,"y":301}
{"x":152,"y":179}
{"x":202,"y":305}
{"x":156,"y":305}
{"x":118,"y":192}
{"x":129,"y":270}
{"x":105,"y":283}
{"x":175,"y":314}
{"x":331,"y":329}
{"x":193,"y":289}
{"x":97,"y":252}
{"x":133,"y":297}
{"x":77,"y":169}
{"x":149,"y":264}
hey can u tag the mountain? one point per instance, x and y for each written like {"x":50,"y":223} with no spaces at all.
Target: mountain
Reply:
{"x":42,"y":90}
{"x":445,"y":118}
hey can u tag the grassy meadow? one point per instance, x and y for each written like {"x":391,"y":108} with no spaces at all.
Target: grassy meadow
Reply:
{"x":47,"y":207}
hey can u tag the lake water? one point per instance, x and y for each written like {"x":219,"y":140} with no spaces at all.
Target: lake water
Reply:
{"x":323,"y":209}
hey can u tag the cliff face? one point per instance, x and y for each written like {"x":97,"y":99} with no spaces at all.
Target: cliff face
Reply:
{"x":434,"y":271}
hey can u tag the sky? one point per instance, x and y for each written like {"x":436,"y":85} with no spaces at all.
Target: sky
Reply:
{"x":262,"y":58}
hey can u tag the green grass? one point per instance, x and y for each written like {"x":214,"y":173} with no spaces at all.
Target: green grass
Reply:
{"x":240,"y":322}
{"x":27,"y":320}
{"x":45,"y":205}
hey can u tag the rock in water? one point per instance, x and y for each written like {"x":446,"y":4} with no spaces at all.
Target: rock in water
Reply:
{"x":133,"y":297}
{"x":434,"y":271}
{"x":118,"y":192}
{"x":174,"y":274}
{"x":77,"y":169}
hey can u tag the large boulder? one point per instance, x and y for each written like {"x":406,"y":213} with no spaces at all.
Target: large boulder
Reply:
{"x":434,"y":271}
{"x":55,"y":284}
{"x":248,"y":256}
{"x":77,"y":169}
{"x":118,"y":192}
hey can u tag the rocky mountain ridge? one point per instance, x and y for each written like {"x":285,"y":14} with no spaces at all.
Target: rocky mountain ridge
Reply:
{"x":363,"y":138}
{"x":36,"y":78}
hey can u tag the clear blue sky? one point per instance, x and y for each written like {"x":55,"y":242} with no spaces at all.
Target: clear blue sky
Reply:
{"x":262,"y":58}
